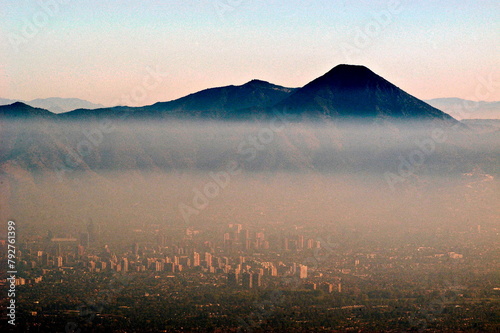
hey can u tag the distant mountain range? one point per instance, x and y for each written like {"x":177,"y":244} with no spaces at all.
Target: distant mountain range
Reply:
{"x":56,"y":104}
{"x":60,"y":144}
{"x":345,"y":92}
{"x":466,"y":109}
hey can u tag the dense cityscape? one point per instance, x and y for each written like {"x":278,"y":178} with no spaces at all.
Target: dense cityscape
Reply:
{"x":241,"y":278}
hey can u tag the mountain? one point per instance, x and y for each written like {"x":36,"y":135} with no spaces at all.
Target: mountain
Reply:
{"x":60,"y":105}
{"x":213,"y":103}
{"x":67,"y":150}
{"x":20,"y":110}
{"x":221,"y":102}
{"x":345,"y":92}
{"x":466,"y":109}
{"x":350,"y":92}
{"x":56,"y":104}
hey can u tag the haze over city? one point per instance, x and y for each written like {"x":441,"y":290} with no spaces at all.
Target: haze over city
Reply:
{"x":249,"y":166}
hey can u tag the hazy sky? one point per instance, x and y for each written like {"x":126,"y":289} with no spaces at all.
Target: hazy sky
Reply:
{"x":105,"y":51}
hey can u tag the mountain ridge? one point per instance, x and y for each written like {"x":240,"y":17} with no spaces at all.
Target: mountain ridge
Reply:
{"x":344,"y":92}
{"x":55,"y":104}
{"x":354,"y":91}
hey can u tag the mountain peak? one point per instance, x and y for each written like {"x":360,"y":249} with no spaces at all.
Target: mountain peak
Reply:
{"x":257,"y":81}
{"x":22,"y":110}
{"x":350,"y":68}
{"x":18,"y":105}
{"x":354,"y":91}
{"x":347,"y":77}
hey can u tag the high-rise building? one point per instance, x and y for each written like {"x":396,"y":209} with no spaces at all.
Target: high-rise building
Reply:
{"x":256,"y":280}
{"x":196,"y":259}
{"x":310,"y":243}
{"x":285,"y":244}
{"x":124,"y":264}
{"x":92,"y":266}
{"x":300,"y":242}
{"x":302,"y":270}
{"x":246,"y":280}
{"x":208,"y":259}
{"x":159,"y":266}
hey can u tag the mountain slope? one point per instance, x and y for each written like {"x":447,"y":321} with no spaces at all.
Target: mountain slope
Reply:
{"x":20,"y":110}
{"x":345,"y":92}
{"x":213,"y":103}
{"x":56,"y":104}
{"x":349,"y":91}
{"x":60,"y":105}
{"x":219,"y":102}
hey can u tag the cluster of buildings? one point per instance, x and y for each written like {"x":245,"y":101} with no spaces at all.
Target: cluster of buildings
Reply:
{"x":235,"y":256}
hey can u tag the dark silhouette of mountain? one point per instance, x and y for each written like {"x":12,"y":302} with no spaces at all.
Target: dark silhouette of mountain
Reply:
{"x":349,"y":91}
{"x":220,"y":102}
{"x":345,"y":92}
{"x":56,"y":104}
{"x":213,"y":103}
{"x":20,"y":110}
{"x":60,"y":105}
